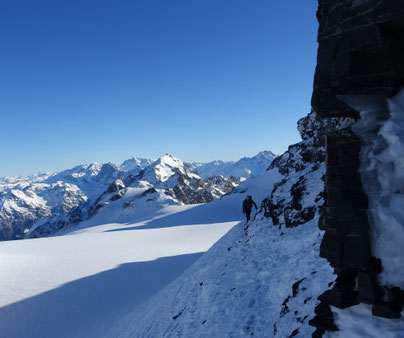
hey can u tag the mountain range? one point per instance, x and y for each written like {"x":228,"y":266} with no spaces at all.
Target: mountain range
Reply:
{"x":243,"y":168}
{"x":42,"y":204}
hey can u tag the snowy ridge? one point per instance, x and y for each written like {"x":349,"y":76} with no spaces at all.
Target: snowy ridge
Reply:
{"x":135,"y":164}
{"x":243,"y":168}
{"x":10,"y":181}
{"x":91,"y":179}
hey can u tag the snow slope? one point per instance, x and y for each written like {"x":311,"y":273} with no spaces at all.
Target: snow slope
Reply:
{"x":82,"y":283}
{"x":264,"y":284}
{"x":238,"y":288}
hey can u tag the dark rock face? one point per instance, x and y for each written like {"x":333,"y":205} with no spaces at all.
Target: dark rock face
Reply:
{"x":324,"y":318}
{"x":360,"y":59}
{"x":224,"y":184}
{"x":360,"y":52}
{"x":391,"y":305}
{"x":346,"y":241}
{"x":191,"y":191}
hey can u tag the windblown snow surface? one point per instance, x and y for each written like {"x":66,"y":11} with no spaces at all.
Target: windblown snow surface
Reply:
{"x":265,"y":283}
{"x":82,"y":282}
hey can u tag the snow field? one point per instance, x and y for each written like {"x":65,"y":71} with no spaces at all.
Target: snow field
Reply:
{"x":83,"y":281}
{"x":77,"y":285}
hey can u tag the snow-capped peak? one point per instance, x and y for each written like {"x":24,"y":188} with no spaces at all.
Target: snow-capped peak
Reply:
{"x":265,"y":154}
{"x":136,"y":164}
{"x":170,"y":160}
{"x":165,"y":167}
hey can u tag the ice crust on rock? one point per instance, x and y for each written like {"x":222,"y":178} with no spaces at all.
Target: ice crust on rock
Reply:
{"x":382,"y":171}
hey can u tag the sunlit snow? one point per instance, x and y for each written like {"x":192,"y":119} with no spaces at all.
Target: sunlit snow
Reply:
{"x":78,"y":284}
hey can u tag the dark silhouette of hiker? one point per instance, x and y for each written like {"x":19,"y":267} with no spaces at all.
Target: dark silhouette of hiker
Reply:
{"x":247,"y":206}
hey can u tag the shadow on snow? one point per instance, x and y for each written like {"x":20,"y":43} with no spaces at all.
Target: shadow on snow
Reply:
{"x":218,"y":211}
{"x":88,"y":306}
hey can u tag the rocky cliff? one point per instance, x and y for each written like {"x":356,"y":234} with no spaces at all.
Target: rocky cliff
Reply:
{"x":360,"y":67}
{"x":360,"y":52}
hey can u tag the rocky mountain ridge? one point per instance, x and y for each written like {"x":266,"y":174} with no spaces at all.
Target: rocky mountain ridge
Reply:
{"x":243,"y":168}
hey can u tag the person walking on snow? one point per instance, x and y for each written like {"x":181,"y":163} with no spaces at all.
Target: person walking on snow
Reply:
{"x":247,"y":206}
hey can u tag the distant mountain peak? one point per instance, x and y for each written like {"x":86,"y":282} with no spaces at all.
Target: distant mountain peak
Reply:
{"x":164,"y":168}
{"x":136,"y":164}
{"x":266,"y":153}
{"x":244,"y":168}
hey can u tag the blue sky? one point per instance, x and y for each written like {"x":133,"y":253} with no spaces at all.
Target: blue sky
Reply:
{"x":84,"y":81}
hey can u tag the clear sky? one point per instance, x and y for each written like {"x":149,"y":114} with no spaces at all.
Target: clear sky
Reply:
{"x":95,"y":80}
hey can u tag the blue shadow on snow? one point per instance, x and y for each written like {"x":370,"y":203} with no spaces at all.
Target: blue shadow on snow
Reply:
{"x":210,"y":213}
{"x":86,"y":307}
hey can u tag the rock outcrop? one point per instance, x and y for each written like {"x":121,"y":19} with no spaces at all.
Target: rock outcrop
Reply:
{"x":360,"y":65}
{"x":360,"y":52}
{"x":302,"y":161}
